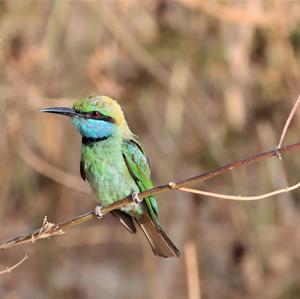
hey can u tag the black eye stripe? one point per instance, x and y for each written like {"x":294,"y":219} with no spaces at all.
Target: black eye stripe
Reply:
{"x":107,"y":119}
{"x":97,"y":116}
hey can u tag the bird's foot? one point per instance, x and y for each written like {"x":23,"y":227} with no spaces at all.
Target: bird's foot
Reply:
{"x":278,"y":154}
{"x":98,"y":212}
{"x":135,"y":197}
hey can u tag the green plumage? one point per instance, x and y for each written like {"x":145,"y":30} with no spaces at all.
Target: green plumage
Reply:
{"x":115,"y":165}
{"x":106,"y":166}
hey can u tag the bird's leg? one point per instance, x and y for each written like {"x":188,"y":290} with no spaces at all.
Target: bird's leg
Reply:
{"x":135,"y":197}
{"x":98,"y":212}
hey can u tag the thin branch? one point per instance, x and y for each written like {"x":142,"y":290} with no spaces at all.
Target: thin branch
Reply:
{"x":288,"y":121}
{"x":227,"y":167}
{"x":49,"y":229}
{"x":192,"y":272}
{"x":9,"y":269}
{"x":239,"y":197}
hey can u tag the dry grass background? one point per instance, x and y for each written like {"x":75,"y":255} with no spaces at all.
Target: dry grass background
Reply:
{"x":202,"y":83}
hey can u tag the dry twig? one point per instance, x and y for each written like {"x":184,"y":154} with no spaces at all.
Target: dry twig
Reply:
{"x":191,"y":262}
{"x":9,"y":269}
{"x":240,"y":197}
{"x":50,"y":229}
{"x":288,"y":121}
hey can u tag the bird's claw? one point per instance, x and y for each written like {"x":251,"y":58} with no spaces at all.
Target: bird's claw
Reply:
{"x":278,"y":154}
{"x":98,"y":212}
{"x":135,"y":197}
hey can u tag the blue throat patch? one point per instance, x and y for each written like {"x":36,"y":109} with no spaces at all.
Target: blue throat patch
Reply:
{"x":94,"y":129}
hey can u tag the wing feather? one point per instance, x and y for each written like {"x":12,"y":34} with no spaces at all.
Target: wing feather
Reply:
{"x":139,"y":167}
{"x":82,"y":169}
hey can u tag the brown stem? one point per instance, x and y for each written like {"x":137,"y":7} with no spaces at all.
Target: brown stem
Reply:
{"x":288,"y":121}
{"x":9,"y":269}
{"x":49,"y":229}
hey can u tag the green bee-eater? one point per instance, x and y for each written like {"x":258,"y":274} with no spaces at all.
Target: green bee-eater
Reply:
{"x":115,"y":165}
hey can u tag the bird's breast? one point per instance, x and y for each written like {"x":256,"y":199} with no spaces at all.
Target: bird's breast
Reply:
{"x":108,"y":175}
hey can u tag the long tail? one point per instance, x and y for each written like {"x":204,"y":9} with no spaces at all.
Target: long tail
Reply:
{"x":158,"y":239}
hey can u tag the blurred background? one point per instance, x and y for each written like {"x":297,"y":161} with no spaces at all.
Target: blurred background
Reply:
{"x":202,"y":83}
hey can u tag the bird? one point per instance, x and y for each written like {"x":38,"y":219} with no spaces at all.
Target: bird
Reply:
{"x":115,"y":165}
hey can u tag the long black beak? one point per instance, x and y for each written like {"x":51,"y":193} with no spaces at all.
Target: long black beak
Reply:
{"x":61,"y":110}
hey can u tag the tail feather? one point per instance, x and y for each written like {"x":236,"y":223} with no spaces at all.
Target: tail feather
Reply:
{"x":125,"y":219}
{"x":158,"y":239}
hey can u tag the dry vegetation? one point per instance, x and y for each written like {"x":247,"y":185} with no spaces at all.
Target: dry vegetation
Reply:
{"x":202,"y":83}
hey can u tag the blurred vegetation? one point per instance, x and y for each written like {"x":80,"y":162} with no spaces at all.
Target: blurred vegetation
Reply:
{"x":202,"y":83}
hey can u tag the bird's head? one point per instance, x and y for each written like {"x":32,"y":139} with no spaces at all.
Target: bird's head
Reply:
{"x":96,"y":117}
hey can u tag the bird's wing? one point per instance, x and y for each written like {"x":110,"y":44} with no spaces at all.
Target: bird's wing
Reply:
{"x":139,"y":168}
{"x":82,"y":169}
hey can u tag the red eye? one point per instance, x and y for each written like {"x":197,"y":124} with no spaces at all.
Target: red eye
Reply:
{"x":95,"y":114}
